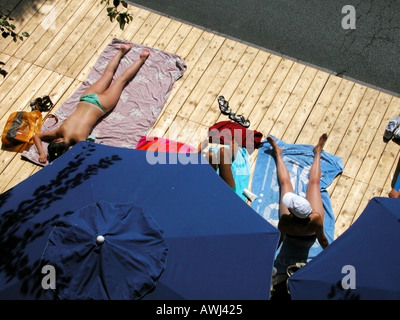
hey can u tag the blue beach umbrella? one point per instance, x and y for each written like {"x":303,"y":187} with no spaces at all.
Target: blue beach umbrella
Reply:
{"x":361,"y":264}
{"x":103,"y":222}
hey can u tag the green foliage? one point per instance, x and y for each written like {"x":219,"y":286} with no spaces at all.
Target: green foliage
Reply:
{"x":122,"y":17}
{"x":7,"y":29}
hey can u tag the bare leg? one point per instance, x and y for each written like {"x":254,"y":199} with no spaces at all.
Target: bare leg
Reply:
{"x":283,"y":175}
{"x":225,"y":157}
{"x":104,"y":82}
{"x":313,"y":194}
{"x":110,"y":97}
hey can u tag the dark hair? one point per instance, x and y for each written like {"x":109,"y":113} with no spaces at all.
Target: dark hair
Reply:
{"x":56,"y":149}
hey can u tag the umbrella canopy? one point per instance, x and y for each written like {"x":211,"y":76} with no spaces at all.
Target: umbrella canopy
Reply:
{"x":206,"y":242}
{"x":361,"y":264}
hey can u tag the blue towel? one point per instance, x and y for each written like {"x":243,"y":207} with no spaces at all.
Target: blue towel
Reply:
{"x":298,"y":159}
{"x":240,"y":170}
{"x":397,"y":184}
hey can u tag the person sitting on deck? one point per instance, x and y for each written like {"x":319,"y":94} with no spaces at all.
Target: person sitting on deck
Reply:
{"x":222,"y":160}
{"x":299,"y":216}
{"x":97,"y":100}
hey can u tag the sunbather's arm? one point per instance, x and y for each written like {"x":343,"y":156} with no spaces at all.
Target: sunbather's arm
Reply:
{"x":322,"y":239}
{"x":43,"y":136}
{"x":394,"y":193}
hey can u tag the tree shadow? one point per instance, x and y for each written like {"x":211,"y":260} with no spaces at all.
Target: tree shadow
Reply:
{"x":25,"y":228}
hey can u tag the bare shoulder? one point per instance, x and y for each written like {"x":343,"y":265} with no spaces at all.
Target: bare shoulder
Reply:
{"x":316,"y":218}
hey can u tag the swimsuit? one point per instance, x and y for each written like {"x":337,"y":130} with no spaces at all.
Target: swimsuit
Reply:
{"x":93,"y":99}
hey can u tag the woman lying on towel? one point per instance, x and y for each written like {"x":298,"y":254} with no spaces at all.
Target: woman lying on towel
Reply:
{"x":99,"y":99}
{"x":299,"y":216}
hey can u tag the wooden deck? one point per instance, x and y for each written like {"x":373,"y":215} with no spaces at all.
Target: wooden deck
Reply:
{"x":292,"y":101}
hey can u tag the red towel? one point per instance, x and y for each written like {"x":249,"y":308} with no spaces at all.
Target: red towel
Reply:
{"x":222,"y":132}
{"x":163,"y":145}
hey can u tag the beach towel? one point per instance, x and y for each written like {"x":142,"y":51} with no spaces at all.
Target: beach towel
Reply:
{"x":298,"y":159}
{"x":397,"y":184}
{"x":140,"y":103}
{"x":163,"y":145}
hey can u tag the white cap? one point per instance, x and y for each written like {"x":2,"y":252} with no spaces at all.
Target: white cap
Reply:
{"x":297,"y":205}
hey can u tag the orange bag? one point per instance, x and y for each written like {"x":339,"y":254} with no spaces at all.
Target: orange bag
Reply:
{"x":20,"y":128}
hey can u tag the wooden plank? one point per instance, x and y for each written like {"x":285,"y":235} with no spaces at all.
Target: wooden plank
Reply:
{"x":350,"y":206}
{"x":49,"y":19}
{"x":66,"y":39}
{"x":375,"y":145}
{"x":207,"y":44}
{"x":146,"y":28}
{"x":16,"y":70}
{"x":90,"y":26}
{"x":339,"y":193}
{"x":204,"y":103}
{"x":302,"y":113}
{"x":318,"y":111}
{"x":225,"y":60}
{"x":285,"y":90}
{"x":9,"y":101}
{"x":236,"y":86}
{"x":286,"y":120}
{"x":171,"y":37}
{"x":34,"y":26}
{"x":139,"y":17}
{"x":21,"y":13}
{"x":328,"y":120}
{"x":190,"y":41}
{"x":270,"y":91}
{"x":354,"y":132}
{"x":390,"y":151}
{"x":179,"y":37}
{"x":344,"y":122}
{"x":268,"y":65}
{"x":371,"y":125}
{"x":157,"y":31}
{"x":370,"y":192}
{"x":63,"y":16}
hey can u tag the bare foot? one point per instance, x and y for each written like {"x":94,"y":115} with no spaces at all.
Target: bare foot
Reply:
{"x":145,"y":54}
{"x":278,"y":150}
{"x":126,"y":47}
{"x":321,"y":143}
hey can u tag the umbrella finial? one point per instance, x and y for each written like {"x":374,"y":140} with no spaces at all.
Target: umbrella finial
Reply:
{"x":100,"y":239}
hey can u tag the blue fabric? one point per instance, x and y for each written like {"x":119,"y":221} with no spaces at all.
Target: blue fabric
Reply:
{"x":240,"y":170}
{"x":397,"y":184}
{"x":298,"y":159}
{"x":365,"y":256}
{"x":134,"y":248}
{"x":218,"y":247}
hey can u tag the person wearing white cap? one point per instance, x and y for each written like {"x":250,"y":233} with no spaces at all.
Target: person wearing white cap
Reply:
{"x":299,"y":216}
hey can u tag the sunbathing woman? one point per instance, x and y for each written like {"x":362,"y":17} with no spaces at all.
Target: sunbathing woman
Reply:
{"x":99,"y":99}
{"x":299,"y":216}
